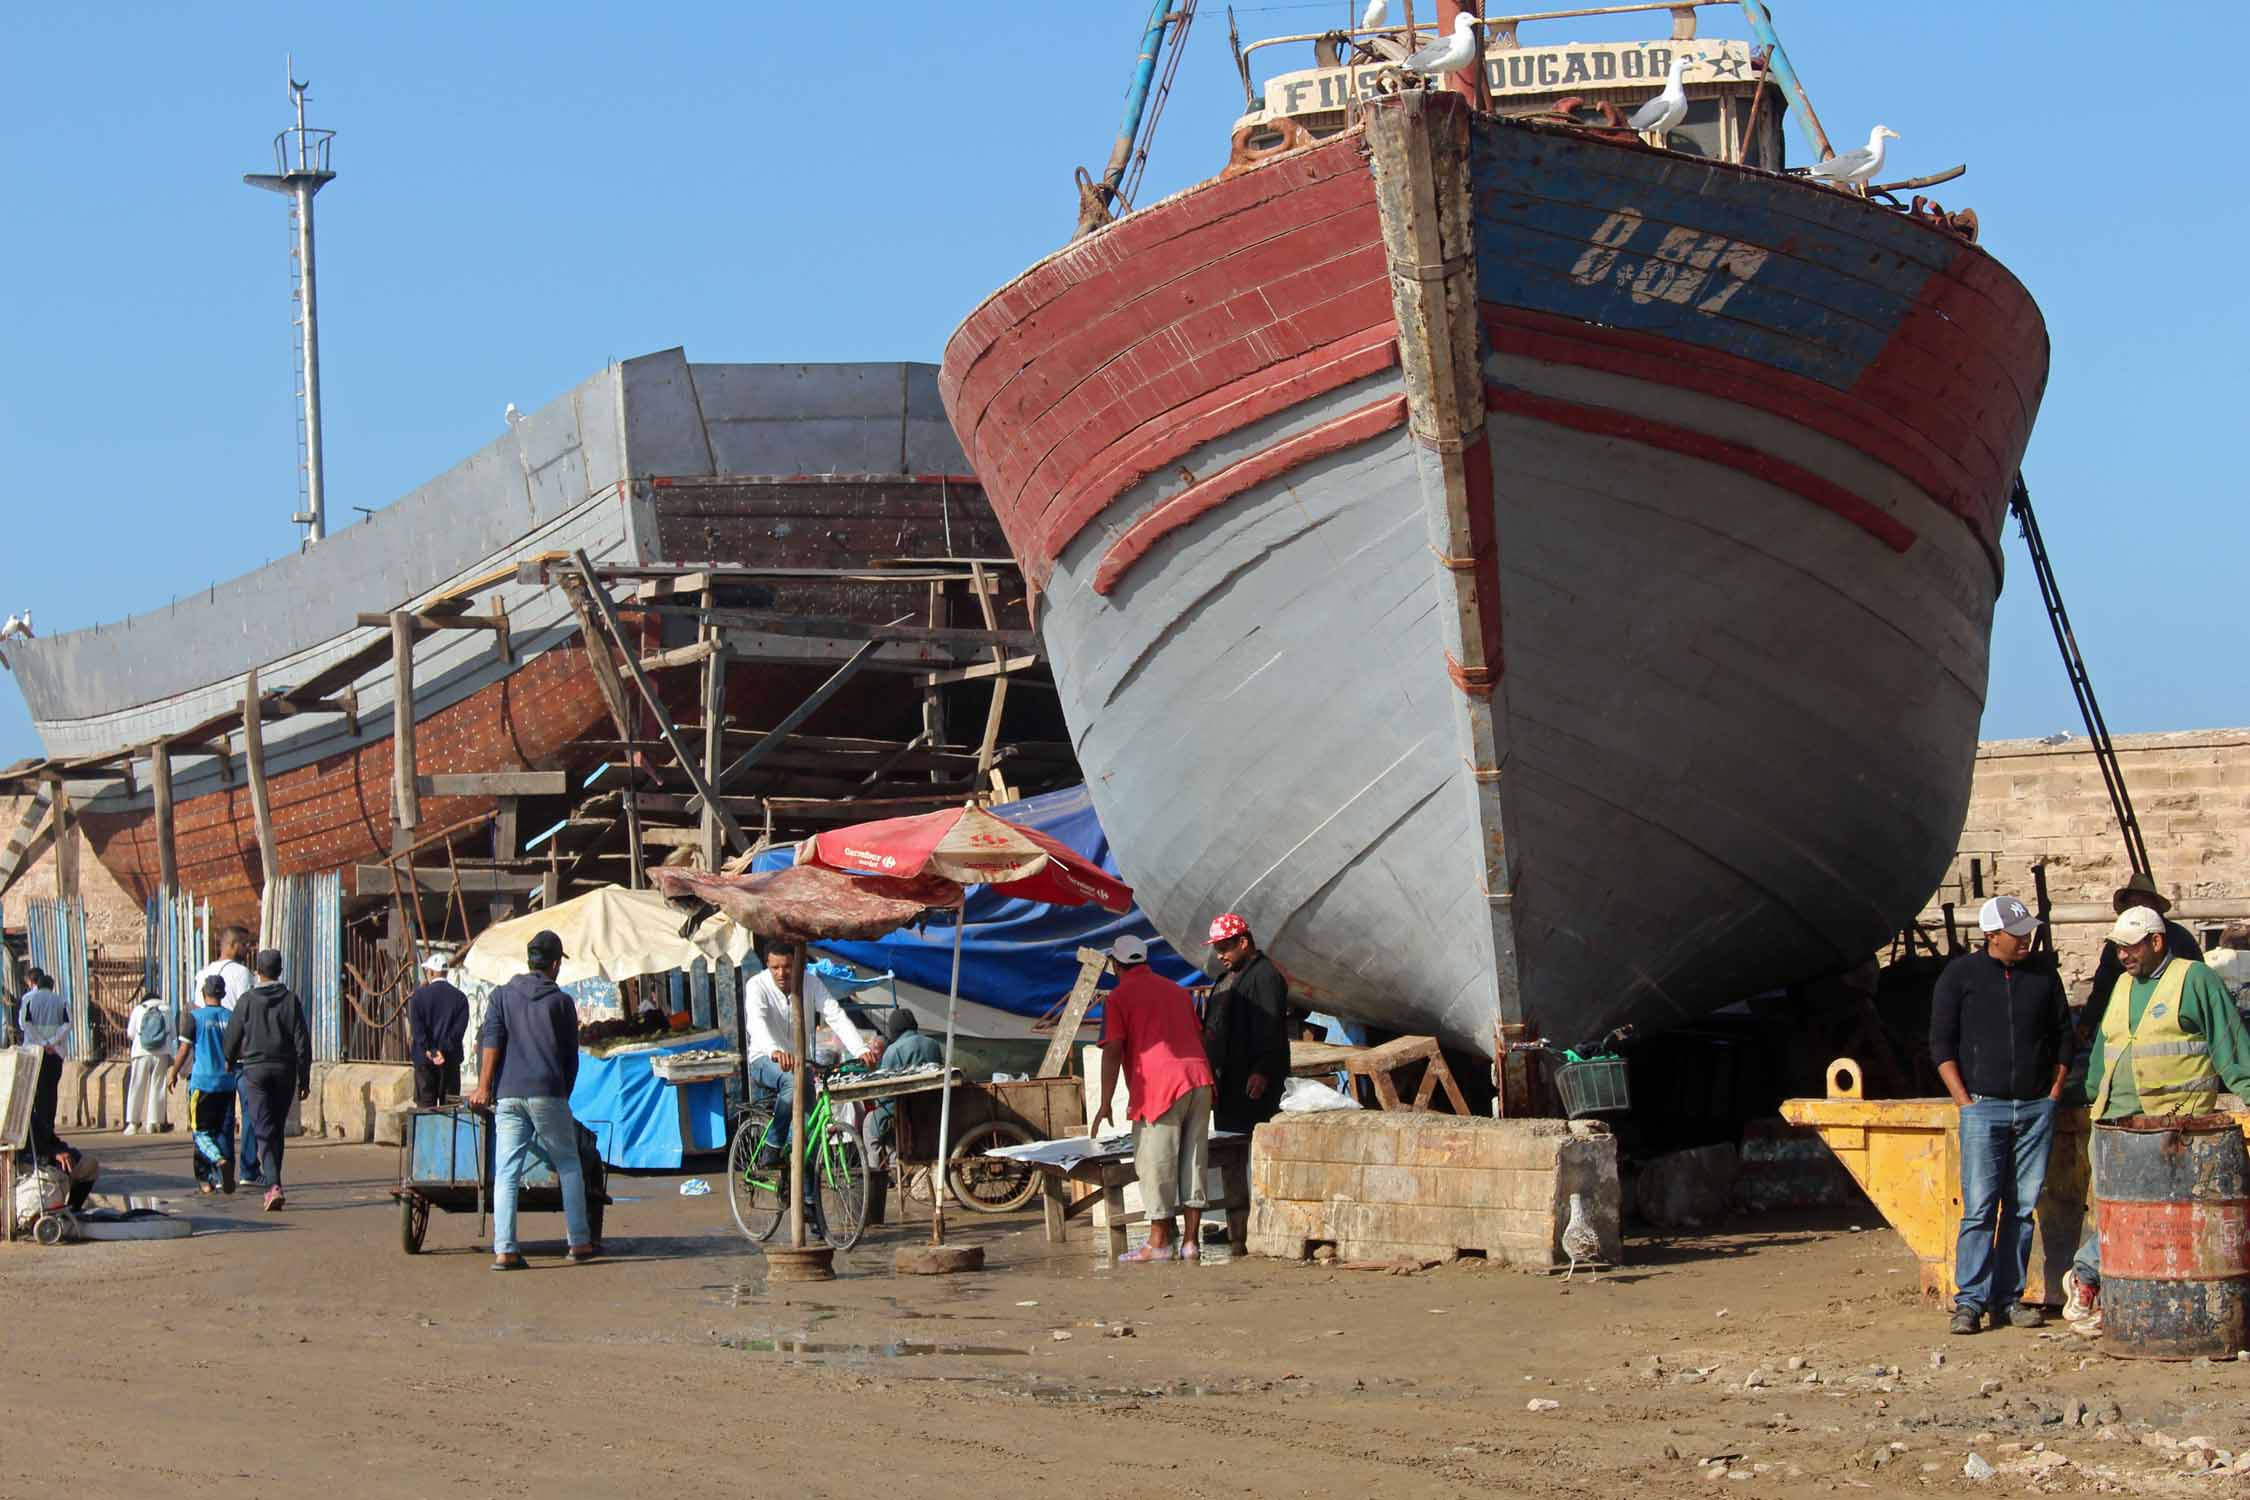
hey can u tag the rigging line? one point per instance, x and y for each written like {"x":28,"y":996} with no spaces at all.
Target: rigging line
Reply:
{"x":1130,"y":188}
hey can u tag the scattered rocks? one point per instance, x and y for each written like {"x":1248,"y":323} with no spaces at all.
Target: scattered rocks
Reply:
{"x":1987,"y":1387}
{"x":2074,"y":1412}
{"x":1755,"y":1380}
{"x":1060,"y":1334}
{"x":1794,"y":1362}
{"x":1978,"y":1468}
{"x":1671,"y":1450}
{"x":2108,"y":1412}
{"x":1652,"y":1367}
{"x":1541,"y":1403}
{"x":1119,"y":1331}
{"x":1937,"y":1359}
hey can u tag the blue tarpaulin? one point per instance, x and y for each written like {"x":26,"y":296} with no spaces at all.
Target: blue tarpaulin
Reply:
{"x":635,"y":1116}
{"x":1016,"y":956}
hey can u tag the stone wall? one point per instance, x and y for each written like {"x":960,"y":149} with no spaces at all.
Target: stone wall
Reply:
{"x":2033,"y":801}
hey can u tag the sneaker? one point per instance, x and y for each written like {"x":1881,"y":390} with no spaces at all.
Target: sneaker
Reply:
{"x":1964,"y":1321}
{"x":2024,"y":1315}
{"x":2090,"y":1326}
{"x":131,"y":1129}
{"x":2079,"y":1299}
{"x":275,"y":1200}
{"x":226,"y":1179}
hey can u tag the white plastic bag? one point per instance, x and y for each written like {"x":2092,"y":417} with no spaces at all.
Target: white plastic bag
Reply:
{"x":1309,"y":1096}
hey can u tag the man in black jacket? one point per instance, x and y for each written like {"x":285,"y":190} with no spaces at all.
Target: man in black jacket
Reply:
{"x":269,"y":1050}
{"x":2001,"y":1038}
{"x":437,"y":1020}
{"x":1245,"y":1029}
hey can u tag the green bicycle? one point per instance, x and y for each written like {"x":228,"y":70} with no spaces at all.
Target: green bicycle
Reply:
{"x":835,"y":1157}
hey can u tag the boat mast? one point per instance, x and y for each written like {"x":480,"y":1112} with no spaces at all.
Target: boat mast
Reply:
{"x":301,"y":161}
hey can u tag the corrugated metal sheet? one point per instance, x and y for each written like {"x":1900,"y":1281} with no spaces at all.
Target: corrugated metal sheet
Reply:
{"x":177,"y":945}
{"x":57,"y":932}
{"x":303,"y":916}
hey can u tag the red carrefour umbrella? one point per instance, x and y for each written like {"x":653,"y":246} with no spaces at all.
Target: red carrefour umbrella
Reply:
{"x":973,"y":847}
{"x":969,"y":846}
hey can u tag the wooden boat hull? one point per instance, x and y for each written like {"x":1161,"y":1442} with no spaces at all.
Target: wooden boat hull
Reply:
{"x":1535,"y":580}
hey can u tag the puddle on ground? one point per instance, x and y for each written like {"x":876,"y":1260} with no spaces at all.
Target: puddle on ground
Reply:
{"x":895,"y":1350}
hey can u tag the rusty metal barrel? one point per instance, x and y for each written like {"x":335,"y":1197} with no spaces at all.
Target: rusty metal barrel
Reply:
{"x":2174,"y":1196}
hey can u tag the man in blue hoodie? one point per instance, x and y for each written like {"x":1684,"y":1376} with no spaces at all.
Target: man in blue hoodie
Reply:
{"x":211,"y":1087}
{"x":528,"y":1051}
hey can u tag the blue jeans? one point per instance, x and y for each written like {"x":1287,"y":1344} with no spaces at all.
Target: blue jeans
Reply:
{"x":2004,"y":1146}
{"x":2088,"y":1261}
{"x":769,"y":1088}
{"x":521,"y":1128}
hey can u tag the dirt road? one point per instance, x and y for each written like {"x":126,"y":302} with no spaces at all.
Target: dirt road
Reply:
{"x":304,"y":1353}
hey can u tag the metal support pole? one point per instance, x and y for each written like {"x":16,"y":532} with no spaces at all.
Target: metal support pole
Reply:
{"x":1777,"y":63}
{"x":797,"y":1092}
{"x":406,"y":804}
{"x":945,"y":1072}
{"x":316,"y":485}
{"x":261,"y":800}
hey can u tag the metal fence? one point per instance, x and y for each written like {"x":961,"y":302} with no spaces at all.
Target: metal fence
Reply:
{"x":176,"y":947}
{"x":303,"y":917}
{"x":57,"y":932}
{"x":375,"y":988}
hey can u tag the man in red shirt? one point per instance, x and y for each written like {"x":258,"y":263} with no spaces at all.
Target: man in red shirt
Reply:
{"x":1150,"y":1031}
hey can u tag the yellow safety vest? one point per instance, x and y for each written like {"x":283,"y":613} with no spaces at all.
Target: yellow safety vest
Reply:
{"x":2171,"y":1066}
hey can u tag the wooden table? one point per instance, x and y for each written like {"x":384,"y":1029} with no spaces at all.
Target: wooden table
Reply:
{"x":1112,"y":1172}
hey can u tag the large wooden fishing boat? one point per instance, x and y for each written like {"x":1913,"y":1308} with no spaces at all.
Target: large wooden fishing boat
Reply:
{"x":1541,"y":576}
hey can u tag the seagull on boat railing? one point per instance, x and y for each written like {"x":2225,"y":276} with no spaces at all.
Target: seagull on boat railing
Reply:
{"x":1667,"y":109}
{"x":1376,"y":17}
{"x":18,"y":625}
{"x":1855,"y":168}
{"x":1450,"y":55}
{"x":1372,"y":18}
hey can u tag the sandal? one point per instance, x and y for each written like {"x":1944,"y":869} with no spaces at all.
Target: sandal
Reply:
{"x":1148,"y":1253}
{"x":509,"y":1262}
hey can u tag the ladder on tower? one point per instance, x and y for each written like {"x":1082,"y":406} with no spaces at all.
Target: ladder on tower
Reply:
{"x":2081,"y":686}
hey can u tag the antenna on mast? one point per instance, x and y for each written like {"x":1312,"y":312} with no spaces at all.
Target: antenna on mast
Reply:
{"x":300,"y":157}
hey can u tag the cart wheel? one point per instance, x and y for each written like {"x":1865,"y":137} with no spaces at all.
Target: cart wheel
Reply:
{"x":757,"y":1195}
{"x":413,"y":1222}
{"x":52,"y":1229}
{"x":991,"y":1187}
{"x":843,"y":1185}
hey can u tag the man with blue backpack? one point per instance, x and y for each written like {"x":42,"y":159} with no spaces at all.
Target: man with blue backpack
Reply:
{"x":211,"y":1087}
{"x":149,"y":1027}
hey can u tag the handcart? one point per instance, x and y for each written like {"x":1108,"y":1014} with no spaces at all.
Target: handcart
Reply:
{"x":986,"y":1115}
{"x":445,"y":1161}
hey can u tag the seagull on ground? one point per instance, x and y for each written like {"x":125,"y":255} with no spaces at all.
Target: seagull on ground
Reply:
{"x":1450,"y":55}
{"x":18,"y":625}
{"x":1667,"y":109}
{"x":1579,"y":1241}
{"x":1857,"y":168}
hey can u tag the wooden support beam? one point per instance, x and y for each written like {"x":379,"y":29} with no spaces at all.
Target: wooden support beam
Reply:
{"x":762,"y":622}
{"x":999,"y":705}
{"x":495,"y":784}
{"x":779,"y":735}
{"x":406,"y":806}
{"x":981,"y":670}
{"x":282,"y":706}
{"x":504,"y":848}
{"x":598,"y":655}
{"x":167,"y":854}
{"x":261,"y":799}
{"x":425,"y":622}
{"x":384,"y":880}
{"x":503,"y":643}
{"x":608,"y":618}
{"x":714,"y":736}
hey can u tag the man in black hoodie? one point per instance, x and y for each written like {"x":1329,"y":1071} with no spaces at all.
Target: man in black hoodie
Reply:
{"x":269,"y":1050}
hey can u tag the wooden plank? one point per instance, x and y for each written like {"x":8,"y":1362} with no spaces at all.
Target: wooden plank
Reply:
{"x":981,"y":671}
{"x":430,"y":622}
{"x":779,"y":735}
{"x":598,"y":655}
{"x":34,"y":829}
{"x":763,"y":622}
{"x":383,"y":880}
{"x":160,"y":778}
{"x":714,"y":741}
{"x":1092,"y":964}
{"x":495,"y":784}
{"x":999,"y":705}
{"x":261,"y":797}
{"x":406,"y":807}
{"x":506,"y":821}
{"x":678,"y":656}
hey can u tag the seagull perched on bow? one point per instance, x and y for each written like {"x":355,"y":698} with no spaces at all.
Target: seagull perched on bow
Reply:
{"x":1667,"y":109}
{"x":1855,"y":168}
{"x":1450,"y":55}
{"x":1579,"y":1241}
{"x":1376,"y":17}
{"x":18,"y":625}
{"x":1372,"y":18}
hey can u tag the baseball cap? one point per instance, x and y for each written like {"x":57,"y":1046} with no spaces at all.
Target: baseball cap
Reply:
{"x":2007,"y":914}
{"x":544,"y":948}
{"x":1129,"y":950}
{"x":1228,"y":927}
{"x":438,"y":963}
{"x":2136,"y":923}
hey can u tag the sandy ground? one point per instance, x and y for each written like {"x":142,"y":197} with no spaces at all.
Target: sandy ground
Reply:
{"x":304,"y":1353}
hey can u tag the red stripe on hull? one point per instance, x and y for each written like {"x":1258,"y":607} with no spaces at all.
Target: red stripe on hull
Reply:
{"x":1603,"y":421}
{"x":1139,"y":453}
{"x":1332,"y":436}
{"x":1882,"y":434}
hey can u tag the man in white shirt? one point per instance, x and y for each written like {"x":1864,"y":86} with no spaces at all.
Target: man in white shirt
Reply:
{"x":767,"y":1043}
{"x":148,"y":1026}
{"x":232,"y":965}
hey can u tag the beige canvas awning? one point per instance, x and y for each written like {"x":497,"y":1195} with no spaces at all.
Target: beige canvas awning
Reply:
{"x":612,"y":933}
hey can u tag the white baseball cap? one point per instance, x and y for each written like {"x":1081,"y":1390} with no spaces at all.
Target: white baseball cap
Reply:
{"x":2007,"y":914}
{"x":1129,"y":950}
{"x":2136,"y":923}
{"x":438,"y":963}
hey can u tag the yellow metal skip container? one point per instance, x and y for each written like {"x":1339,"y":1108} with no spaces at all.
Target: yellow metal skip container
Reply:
{"x":1906,"y":1155}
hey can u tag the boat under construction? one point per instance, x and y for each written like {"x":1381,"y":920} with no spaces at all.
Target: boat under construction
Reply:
{"x":1538,"y":570}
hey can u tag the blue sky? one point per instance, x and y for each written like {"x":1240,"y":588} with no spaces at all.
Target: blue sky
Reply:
{"x":528,"y":191}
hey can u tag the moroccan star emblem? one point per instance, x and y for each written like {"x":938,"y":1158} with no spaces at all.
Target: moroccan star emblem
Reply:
{"x":1724,"y":65}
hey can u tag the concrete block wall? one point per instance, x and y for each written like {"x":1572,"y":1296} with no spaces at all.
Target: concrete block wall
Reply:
{"x":1382,"y":1185}
{"x":2031,"y":801}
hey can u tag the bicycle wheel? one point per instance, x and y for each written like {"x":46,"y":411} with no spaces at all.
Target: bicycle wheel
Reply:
{"x":757,"y":1195}
{"x":843,"y":1185}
